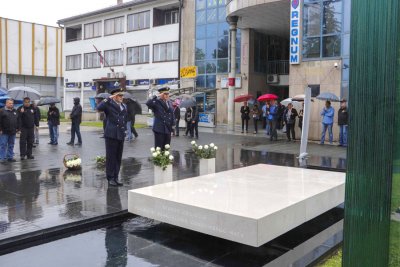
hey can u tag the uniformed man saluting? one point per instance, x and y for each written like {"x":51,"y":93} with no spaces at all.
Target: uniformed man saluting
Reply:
{"x":114,"y":133}
{"x":163,"y":117}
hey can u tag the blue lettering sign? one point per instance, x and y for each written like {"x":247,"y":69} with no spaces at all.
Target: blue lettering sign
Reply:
{"x":295,"y":14}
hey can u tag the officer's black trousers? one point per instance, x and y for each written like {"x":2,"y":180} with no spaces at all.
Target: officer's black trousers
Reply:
{"x":114,"y":149}
{"x":161,"y":139}
{"x":26,"y":141}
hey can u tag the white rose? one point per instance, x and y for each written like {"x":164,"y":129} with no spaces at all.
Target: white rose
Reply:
{"x":79,"y":161}
{"x":158,"y":153}
{"x":167,"y":146}
{"x":206,"y":147}
{"x":171,"y":157}
{"x":154,"y":154}
{"x":215,"y":147}
{"x":158,"y":149}
{"x":193,"y":142}
{"x":152,"y":149}
{"x":166,"y":153}
{"x":212,"y":145}
{"x":200,"y":147}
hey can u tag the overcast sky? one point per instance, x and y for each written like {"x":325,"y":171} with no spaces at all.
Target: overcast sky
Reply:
{"x":49,"y":11}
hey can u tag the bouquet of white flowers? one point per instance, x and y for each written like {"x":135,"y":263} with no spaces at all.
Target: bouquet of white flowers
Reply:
{"x":204,"y":152}
{"x":161,"y":158}
{"x":72,"y":162}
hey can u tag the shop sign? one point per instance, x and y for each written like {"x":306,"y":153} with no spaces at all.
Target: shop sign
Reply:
{"x":87,"y":84}
{"x":225,"y":83}
{"x":295,"y":15}
{"x":143,"y":82}
{"x":188,"y":72}
{"x":70,"y":85}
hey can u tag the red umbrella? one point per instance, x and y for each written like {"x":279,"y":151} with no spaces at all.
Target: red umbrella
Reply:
{"x":267,"y":97}
{"x":243,"y":98}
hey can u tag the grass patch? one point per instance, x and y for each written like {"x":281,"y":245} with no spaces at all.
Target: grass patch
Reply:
{"x":394,"y":256}
{"x":99,"y":124}
{"x":335,"y":260}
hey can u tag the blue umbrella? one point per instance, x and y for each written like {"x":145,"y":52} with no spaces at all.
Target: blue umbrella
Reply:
{"x":5,"y":97}
{"x":3,"y":91}
{"x":328,"y":97}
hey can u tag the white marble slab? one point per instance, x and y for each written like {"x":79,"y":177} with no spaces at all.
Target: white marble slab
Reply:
{"x":250,"y":205}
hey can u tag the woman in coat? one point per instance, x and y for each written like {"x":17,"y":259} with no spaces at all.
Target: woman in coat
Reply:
{"x":245,"y":111}
{"x":255,"y":113}
{"x":290,"y":120}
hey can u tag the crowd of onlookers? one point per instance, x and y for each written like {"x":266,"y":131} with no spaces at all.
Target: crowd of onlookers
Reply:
{"x":275,"y":116}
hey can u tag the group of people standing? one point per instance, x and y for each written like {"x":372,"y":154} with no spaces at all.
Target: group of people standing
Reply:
{"x":25,"y":121}
{"x":274,"y":116}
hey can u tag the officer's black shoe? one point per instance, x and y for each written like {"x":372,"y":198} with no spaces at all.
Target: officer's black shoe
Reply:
{"x":22,"y":157}
{"x":112,"y":183}
{"x":78,"y":144}
{"x":30,"y":157}
{"x":118,"y":183}
{"x":11,"y":160}
{"x":70,"y":143}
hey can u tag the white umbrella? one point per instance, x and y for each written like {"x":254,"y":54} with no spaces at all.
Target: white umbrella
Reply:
{"x":20,"y":92}
{"x":297,"y":105}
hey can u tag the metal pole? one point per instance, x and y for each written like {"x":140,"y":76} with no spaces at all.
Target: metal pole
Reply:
{"x":232,"y":74}
{"x":306,"y":124}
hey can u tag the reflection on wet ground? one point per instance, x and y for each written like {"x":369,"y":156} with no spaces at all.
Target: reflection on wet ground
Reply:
{"x":39,"y":195}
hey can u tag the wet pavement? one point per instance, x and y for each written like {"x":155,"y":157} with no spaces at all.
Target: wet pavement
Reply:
{"x":40,"y":195}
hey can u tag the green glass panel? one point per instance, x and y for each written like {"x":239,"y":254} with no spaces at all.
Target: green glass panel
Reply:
{"x":371,"y":132}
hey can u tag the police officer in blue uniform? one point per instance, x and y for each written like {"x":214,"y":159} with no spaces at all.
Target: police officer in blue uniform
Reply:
{"x":114,"y":133}
{"x":163,"y":117}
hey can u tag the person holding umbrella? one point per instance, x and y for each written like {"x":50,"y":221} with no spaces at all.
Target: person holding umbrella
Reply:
{"x":8,"y":131}
{"x":255,"y":112}
{"x":245,"y":114}
{"x":53,"y":121}
{"x":273,"y":119}
{"x":163,"y":117}
{"x":177,"y":114}
{"x":194,"y":129}
{"x":188,"y":119}
{"x":76,"y":118}
{"x":27,"y":121}
{"x":327,"y":114}
{"x":116,"y":116}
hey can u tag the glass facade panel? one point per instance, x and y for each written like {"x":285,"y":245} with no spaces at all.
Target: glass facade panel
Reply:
{"x":223,"y":46}
{"x":331,"y":46}
{"x":201,"y":32}
{"x":201,"y":17}
{"x":200,"y":49}
{"x":201,"y":67}
{"x":200,"y":4}
{"x":312,"y":20}
{"x":222,"y":14}
{"x":211,"y":15}
{"x":212,"y":30}
{"x":211,"y":48}
{"x":212,"y":3}
{"x":311,"y":47}
{"x":201,"y":81}
{"x":222,"y":66}
{"x":332,"y":17}
{"x":211,"y":80}
{"x":211,"y":67}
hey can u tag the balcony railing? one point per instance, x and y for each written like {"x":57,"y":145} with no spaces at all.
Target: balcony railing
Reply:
{"x":280,"y":67}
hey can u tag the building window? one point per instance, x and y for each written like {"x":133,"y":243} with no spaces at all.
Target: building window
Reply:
{"x":139,"y":21}
{"x":114,"y":57}
{"x":73,"y":62}
{"x":73,"y":33}
{"x":322,"y":28}
{"x":165,"y":52}
{"x":171,"y":17}
{"x":138,"y":55}
{"x":114,"y":26}
{"x":93,"y":30}
{"x":91,"y":60}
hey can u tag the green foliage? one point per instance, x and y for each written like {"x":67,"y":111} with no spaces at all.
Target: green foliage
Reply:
{"x":334,"y":261}
{"x":100,"y":160}
{"x":161,"y":158}
{"x":394,"y":253}
{"x":204,"y":152}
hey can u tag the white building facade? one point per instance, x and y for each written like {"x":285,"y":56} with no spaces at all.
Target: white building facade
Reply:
{"x":31,"y":55}
{"x":139,"y":46}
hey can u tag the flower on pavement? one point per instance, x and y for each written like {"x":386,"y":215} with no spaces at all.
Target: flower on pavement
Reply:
{"x":200,"y":147}
{"x":206,"y":147}
{"x":166,"y":153}
{"x":167,"y":146}
{"x":215,"y":147}
{"x":155,"y":154}
{"x":152,"y":149}
{"x":158,"y":149}
{"x":212,"y":145}
{"x":193,"y":142}
{"x":171,"y":157}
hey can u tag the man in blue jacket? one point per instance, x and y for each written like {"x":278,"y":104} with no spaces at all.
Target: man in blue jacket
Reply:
{"x":273,"y":118}
{"x":163,"y":117}
{"x":327,"y":114}
{"x":114,"y":133}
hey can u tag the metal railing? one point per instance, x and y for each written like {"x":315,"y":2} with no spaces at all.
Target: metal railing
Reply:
{"x":280,"y":67}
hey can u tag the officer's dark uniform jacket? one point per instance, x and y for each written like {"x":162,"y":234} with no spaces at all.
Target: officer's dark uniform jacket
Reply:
{"x":27,"y":119}
{"x":8,"y":121}
{"x":163,"y":115}
{"x":115,"y":119}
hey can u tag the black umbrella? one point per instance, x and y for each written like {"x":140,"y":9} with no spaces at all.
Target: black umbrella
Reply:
{"x":187,"y":103}
{"x":102,"y":95}
{"x":48,"y":100}
{"x":136,"y":106}
{"x":20,"y":92}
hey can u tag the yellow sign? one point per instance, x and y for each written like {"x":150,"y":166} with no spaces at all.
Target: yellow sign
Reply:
{"x":189,"y":72}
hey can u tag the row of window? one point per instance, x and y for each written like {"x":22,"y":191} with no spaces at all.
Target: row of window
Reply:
{"x":135,"y":55}
{"x":135,"y":22}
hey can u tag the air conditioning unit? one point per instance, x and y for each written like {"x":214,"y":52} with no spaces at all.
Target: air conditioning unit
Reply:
{"x":135,"y":82}
{"x":153,"y":81}
{"x":272,"y":78}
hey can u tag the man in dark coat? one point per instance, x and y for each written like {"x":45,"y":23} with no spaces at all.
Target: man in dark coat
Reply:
{"x":343,"y":121}
{"x":38,"y":115}
{"x":163,"y":117}
{"x":27,"y":121}
{"x":8,"y":130}
{"x":245,"y":114}
{"x":130,"y":125}
{"x":194,"y":130}
{"x":53,"y":121}
{"x":114,"y":134}
{"x":289,"y":116}
{"x":177,"y":115}
{"x":76,"y":119}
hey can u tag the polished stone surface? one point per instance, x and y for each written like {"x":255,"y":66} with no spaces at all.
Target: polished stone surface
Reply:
{"x":242,"y":205}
